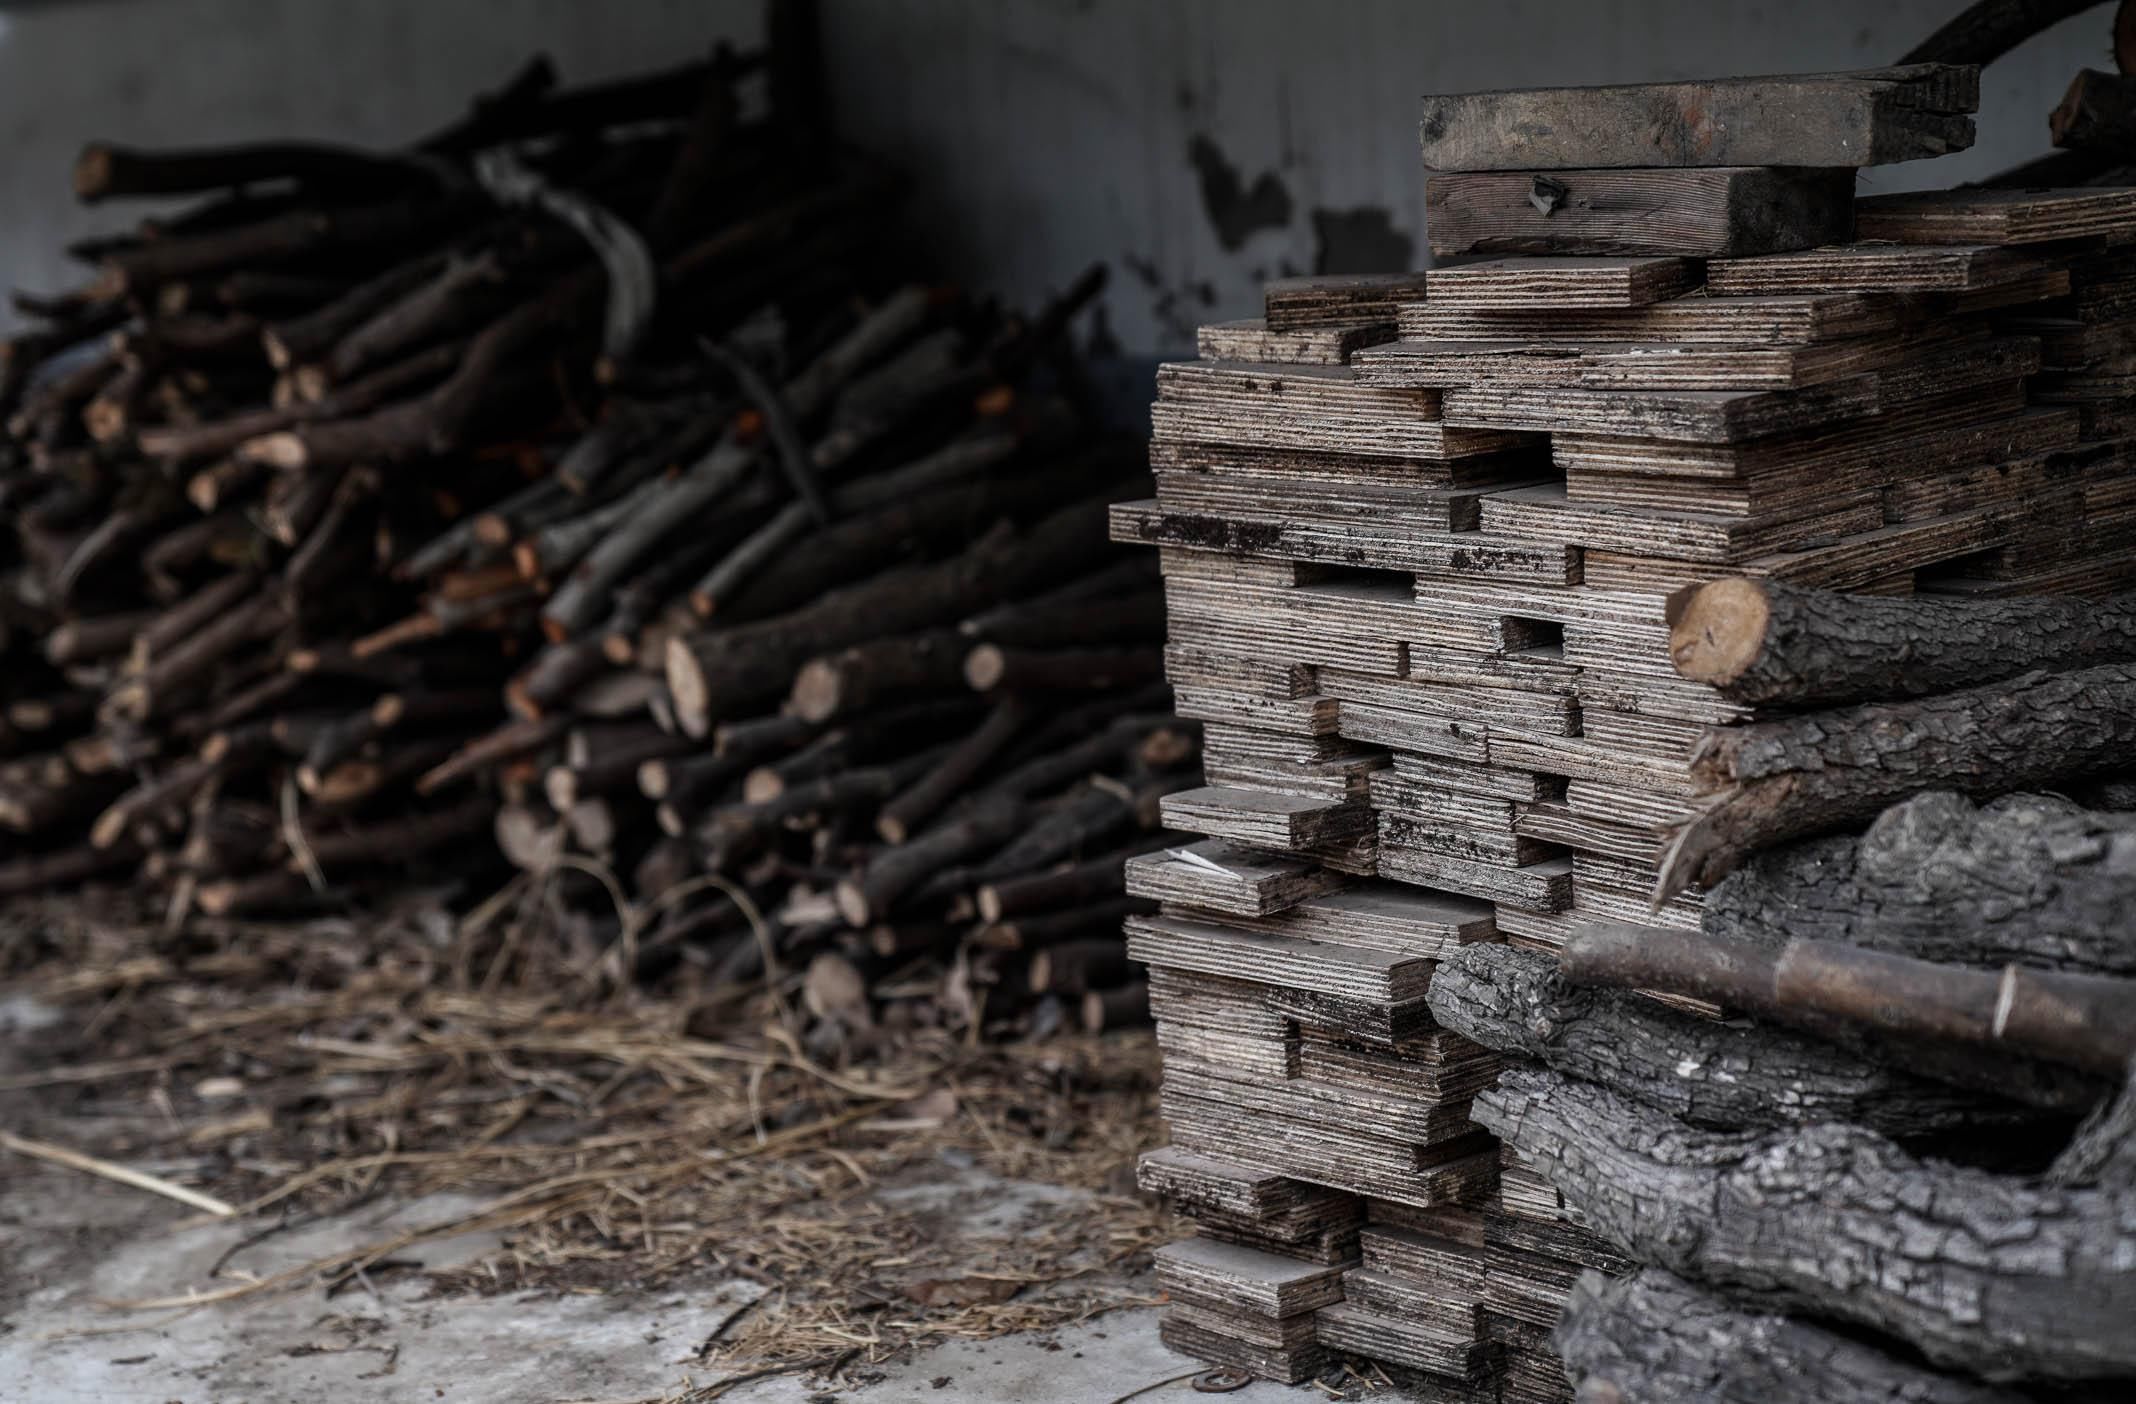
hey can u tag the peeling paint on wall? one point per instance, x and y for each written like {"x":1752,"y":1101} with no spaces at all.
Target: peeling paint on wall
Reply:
{"x":1362,"y":240}
{"x":1235,"y":209}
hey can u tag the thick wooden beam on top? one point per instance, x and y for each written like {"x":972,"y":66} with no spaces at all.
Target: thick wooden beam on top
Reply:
{"x":1868,"y":118}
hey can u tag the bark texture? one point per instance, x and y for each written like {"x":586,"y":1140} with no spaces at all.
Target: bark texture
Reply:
{"x":1728,"y":1075}
{"x":1773,"y":781}
{"x":1764,"y":642}
{"x":2001,"y":1277}
{"x":1653,"y":1338}
{"x":2027,"y":879}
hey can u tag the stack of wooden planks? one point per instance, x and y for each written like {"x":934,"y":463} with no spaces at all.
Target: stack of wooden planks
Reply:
{"x":1420,"y":536}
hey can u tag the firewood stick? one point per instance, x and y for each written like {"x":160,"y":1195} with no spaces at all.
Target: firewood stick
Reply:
{"x":399,"y":838}
{"x":1121,"y":1007}
{"x":904,"y":813}
{"x":1772,"y":781}
{"x":97,"y":636}
{"x":1119,"y":616}
{"x":513,"y":739}
{"x":1088,"y":881}
{"x":984,"y":824}
{"x":1076,"y":967}
{"x":613,"y":770}
{"x":106,"y":171}
{"x":1765,"y":642}
{"x":1733,"y":1074}
{"x":66,"y":867}
{"x":867,"y":675}
{"x":858,"y":788}
{"x":182,"y":667}
{"x":962,"y":458}
{"x":2086,"y":1022}
{"x":994,"y":668}
{"x":1095,"y":920}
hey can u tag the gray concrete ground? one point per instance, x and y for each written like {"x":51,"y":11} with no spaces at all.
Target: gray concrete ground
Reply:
{"x":71,"y":1245}
{"x":75,"y":1248}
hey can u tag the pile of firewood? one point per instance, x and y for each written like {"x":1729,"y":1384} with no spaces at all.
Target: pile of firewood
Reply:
{"x":601,"y":482}
{"x":1956,"y":970}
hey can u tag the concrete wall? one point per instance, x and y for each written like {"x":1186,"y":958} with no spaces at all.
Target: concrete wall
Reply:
{"x":1200,"y":146}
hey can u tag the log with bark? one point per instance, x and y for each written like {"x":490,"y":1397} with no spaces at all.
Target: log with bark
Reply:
{"x":2001,"y":1277}
{"x":2083,"y":1022}
{"x":1767,"y":643}
{"x":2027,"y":879}
{"x":1727,"y":1075}
{"x":1767,"y":782}
{"x":1653,"y":1336}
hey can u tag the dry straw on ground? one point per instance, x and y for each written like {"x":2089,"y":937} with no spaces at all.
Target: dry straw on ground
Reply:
{"x":612,"y":1136}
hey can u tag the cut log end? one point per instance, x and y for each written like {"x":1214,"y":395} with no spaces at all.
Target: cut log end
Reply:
{"x":853,"y":904}
{"x":689,"y":689}
{"x":762,"y":785}
{"x":1718,"y":631}
{"x":818,"y":690}
{"x":654,"y":779}
{"x":284,"y":450}
{"x":892,"y":828}
{"x":984,"y":667}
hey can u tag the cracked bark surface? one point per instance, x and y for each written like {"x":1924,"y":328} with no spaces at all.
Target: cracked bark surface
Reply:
{"x":1653,"y":1338}
{"x":1763,"y":642}
{"x":2028,"y":879}
{"x":1769,"y":782}
{"x":2001,"y":1277}
{"x":1728,"y":1075}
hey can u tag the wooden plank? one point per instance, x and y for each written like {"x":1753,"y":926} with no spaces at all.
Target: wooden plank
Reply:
{"x":1699,"y":416}
{"x":1382,"y":916}
{"x":1263,"y":820}
{"x":1974,"y":215}
{"x":1416,"y":508}
{"x":1227,"y":878}
{"x":1337,"y":299}
{"x":1523,"y":284}
{"x":1545,"y":886}
{"x":1547,"y":513}
{"x":1403,"y":1340}
{"x":1697,"y":211}
{"x":1873,"y":463}
{"x":1343,"y":972}
{"x":1715,"y":321}
{"x":1248,"y":386}
{"x":1411,"y":1119}
{"x":1266,"y":1283}
{"x":1426,"y":1177}
{"x":1252,"y":340}
{"x":1285,"y":1365}
{"x":1891,"y":268}
{"x":1948,"y":429}
{"x":1865,"y":118}
{"x":1572,"y":365}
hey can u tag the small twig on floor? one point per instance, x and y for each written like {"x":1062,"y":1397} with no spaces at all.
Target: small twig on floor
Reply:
{"x":1155,"y":1385}
{"x":90,"y":1165}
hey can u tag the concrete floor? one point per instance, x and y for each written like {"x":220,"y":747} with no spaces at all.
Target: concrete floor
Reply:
{"x":70,"y":1245}
{"x":73,"y":1246}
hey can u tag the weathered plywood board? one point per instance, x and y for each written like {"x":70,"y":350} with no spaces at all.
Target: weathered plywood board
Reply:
{"x":1865,"y":118}
{"x":1252,"y":340}
{"x":1972,"y":215}
{"x":1525,"y":284}
{"x":1869,"y":267}
{"x":1712,"y":321}
{"x":1337,"y":299}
